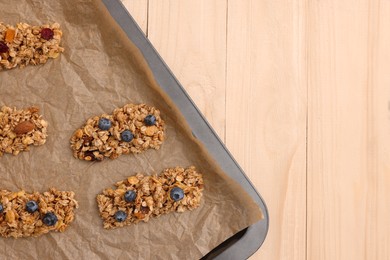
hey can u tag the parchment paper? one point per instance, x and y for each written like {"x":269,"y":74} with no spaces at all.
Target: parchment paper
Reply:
{"x":99,"y":71}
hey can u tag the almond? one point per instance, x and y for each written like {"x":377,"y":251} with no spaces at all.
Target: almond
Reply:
{"x":24,"y":127}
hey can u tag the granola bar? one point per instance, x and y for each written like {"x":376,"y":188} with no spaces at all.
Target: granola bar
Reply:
{"x":19,"y":129}
{"x":33,"y":214}
{"x":129,"y":129}
{"x":140,"y":197}
{"x":26,"y":44}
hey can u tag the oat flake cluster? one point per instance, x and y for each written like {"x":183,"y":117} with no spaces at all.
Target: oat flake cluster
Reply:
{"x":25,"y":44}
{"x":90,"y":143}
{"x":153,"y":196}
{"x":16,"y":222}
{"x":21,"y":128}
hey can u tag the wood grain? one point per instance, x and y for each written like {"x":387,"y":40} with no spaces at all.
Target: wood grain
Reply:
{"x":139,"y":11}
{"x":266,"y":114}
{"x":349,"y":133}
{"x":303,"y":89}
{"x":191,"y":38}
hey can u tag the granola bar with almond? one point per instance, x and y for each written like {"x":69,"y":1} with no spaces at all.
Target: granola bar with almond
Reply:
{"x":140,"y":198}
{"x":33,"y":214}
{"x":129,"y":129}
{"x":21,"y":128}
{"x":25,"y":44}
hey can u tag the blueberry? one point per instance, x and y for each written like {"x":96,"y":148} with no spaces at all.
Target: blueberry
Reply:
{"x":177,"y":194}
{"x":130,"y":196}
{"x":120,"y":216}
{"x":31,"y":206}
{"x":127,"y":136}
{"x":104,"y":124}
{"x":150,"y":120}
{"x":1,"y":208}
{"x":50,"y":219}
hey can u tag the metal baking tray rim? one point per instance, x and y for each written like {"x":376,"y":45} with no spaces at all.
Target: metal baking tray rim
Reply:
{"x":246,"y":242}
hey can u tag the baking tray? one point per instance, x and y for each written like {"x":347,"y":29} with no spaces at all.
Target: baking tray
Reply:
{"x":248,"y":241}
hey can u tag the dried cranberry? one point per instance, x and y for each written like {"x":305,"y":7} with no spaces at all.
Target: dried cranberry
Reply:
{"x":47,"y":34}
{"x":3,"y":47}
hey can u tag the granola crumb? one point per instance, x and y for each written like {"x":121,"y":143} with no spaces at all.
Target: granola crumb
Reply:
{"x":153,"y":196}
{"x":90,"y":143}
{"x":16,"y":222}
{"x":21,"y":128}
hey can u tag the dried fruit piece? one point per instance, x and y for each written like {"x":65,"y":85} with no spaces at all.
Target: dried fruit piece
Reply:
{"x":3,"y":47}
{"x":47,"y":34}
{"x":24,"y":127}
{"x":10,"y":35}
{"x":10,"y":216}
{"x":139,"y":215}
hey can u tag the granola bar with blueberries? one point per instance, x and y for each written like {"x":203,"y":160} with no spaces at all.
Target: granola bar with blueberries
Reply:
{"x":140,"y":198}
{"x":25,"y":44}
{"x":20,"y":129}
{"x":33,"y":214}
{"x":129,"y":129}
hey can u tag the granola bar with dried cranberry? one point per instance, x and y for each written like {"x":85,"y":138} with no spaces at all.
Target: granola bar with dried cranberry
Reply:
{"x":25,"y":44}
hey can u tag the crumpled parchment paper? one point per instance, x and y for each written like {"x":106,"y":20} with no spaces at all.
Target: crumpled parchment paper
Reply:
{"x":99,"y":71}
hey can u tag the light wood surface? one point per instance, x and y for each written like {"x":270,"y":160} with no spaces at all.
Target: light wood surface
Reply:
{"x":348,"y":130}
{"x":299,"y":91}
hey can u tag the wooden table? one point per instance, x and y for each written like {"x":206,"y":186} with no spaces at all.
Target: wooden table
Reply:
{"x":299,"y":91}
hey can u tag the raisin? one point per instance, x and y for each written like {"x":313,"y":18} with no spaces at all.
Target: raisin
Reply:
{"x":3,"y":47}
{"x":87,"y":139}
{"x":145,"y":210}
{"x":47,"y":34}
